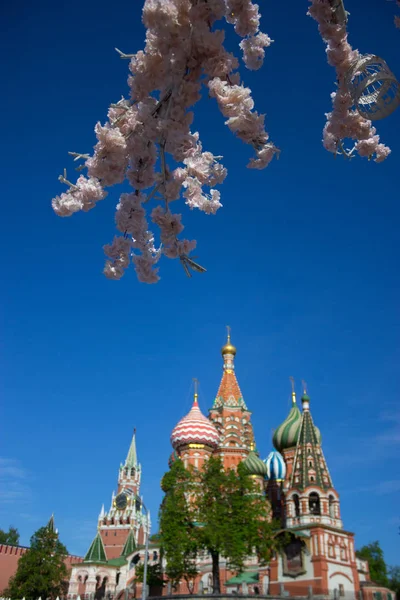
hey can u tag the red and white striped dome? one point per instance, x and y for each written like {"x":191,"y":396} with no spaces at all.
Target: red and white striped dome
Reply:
{"x":195,"y":428}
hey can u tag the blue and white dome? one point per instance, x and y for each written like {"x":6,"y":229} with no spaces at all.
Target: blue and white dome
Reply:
{"x":276,"y":466}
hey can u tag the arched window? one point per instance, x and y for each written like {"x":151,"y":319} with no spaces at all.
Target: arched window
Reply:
{"x":132,"y":472}
{"x":331,"y":507}
{"x":155,"y":555}
{"x":310,"y":463}
{"x":134,"y":561}
{"x":314,"y":504}
{"x":296,"y":501}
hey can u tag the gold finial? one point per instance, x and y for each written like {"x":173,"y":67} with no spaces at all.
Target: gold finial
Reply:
{"x":251,"y":446}
{"x":228,"y":348}
{"x":196,"y":395}
{"x":293,"y":390}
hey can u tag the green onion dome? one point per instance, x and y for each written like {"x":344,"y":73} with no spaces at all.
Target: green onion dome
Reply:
{"x":287,"y":434}
{"x":254,"y":465}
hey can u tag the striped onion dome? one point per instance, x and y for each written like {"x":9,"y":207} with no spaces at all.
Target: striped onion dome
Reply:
{"x":287,"y":434}
{"x":276,"y":466}
{"x":254,"y":465}
{"x":194,"y":428}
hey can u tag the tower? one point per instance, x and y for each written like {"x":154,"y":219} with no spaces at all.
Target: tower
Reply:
{"x":125,"y":517}
{"x":310,"y":495}
{"x":229,"y":413}
{"x":194,"y":438}
{"x":325,"y":559}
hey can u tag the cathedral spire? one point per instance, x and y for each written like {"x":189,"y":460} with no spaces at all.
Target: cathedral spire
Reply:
{"x":131,"y":459}
{"x":229,"y":393}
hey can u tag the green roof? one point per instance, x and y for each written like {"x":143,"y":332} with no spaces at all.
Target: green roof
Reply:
{"x":130,"y":544}
{"x":311,"y":459}
{"x":245,"y":577}
{"x":96,"y":552}
{"x":131,"y":459}
{"x":117,"y":562}
{"x":50,"y":525}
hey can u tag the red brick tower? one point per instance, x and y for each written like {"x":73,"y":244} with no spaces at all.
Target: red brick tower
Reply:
{"x":125,"y":513}
{"x":230,"y":414}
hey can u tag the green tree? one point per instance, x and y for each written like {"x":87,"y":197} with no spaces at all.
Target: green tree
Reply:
{"x":221,"y":512}
{"x":233,"y":516}
{"x":178,"y":542}
{"x":373,"y":553}
{"x":394,"y":580}
{"x":154,"y":574}
{"x":41,"y":570}
{"x":9,"y":537}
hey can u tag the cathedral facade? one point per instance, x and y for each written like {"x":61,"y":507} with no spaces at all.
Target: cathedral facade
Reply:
{"x":320,"y":559}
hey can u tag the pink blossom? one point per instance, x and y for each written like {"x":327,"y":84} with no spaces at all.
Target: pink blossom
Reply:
{"x":147,"y":134}
{"x":119,"y":253}
{"x":253,"y":50}
{"x":344,"y":121}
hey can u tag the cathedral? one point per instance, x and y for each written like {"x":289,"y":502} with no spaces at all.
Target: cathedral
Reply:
{"x":319,"y":560}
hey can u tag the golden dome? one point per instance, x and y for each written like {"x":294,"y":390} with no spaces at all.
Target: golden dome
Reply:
{"x":228,"y":348}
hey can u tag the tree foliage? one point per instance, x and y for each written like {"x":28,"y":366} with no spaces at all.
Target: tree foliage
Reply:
{"x":178,"y":541}
{"x":9,"y":537}
{"x":394,"y":580}
{"x":373,"y":553}
{"x":234,"y":518}
{"x":227,"y":516}
{"x":41,"y":570}
{"x":154,"y":574}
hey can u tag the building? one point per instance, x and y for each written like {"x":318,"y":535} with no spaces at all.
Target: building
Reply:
{"x":320,"y":559}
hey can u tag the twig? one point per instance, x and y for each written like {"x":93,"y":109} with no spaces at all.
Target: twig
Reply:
{"x":63,"y":179}
{"x":123,"y":55}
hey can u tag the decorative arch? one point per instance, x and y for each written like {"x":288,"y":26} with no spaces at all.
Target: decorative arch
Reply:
{"x":314,"y":503}
{"x":341,"y":574}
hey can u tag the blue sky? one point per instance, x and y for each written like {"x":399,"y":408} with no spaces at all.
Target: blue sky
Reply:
{"x":302,"y":262}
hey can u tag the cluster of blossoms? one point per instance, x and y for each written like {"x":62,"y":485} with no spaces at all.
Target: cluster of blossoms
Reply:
{"x":397,"y":18}
{"x":147,"y":138}
{"x":343,"y":122}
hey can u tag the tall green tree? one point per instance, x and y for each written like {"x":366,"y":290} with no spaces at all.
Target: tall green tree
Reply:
{"x":177,"y":529}
{"x":373,"y":553}
{"x":221,"y":512}
{"x":9,"y":537}
{"x":41,"y":570}
{"x":233,"y":516}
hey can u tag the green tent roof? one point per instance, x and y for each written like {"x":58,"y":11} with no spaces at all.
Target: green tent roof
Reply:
{"x":246,"y":577}
{"x":96,"y":552}
{"x":117,"y":562}
{"x":130,"y":544}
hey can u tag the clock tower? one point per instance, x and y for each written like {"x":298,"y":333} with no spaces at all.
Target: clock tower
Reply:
{"x":125,"y":515}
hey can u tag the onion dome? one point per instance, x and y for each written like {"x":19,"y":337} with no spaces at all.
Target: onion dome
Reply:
{"x":254,"y":465}
{"x":287,"y":434}
{"x":228,"y":348}
{"x":194,"y":428}
{"x":276,"y":466}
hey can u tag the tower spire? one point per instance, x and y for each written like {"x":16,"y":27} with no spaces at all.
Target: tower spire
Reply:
{"x":293,"y":390}
{"x":131,"y":458}
{"x":196,"y":395}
